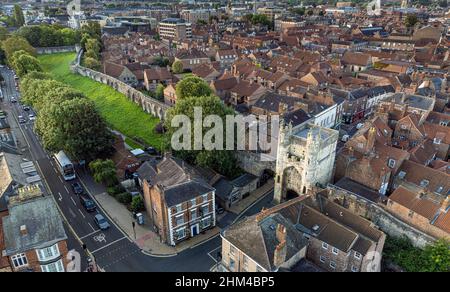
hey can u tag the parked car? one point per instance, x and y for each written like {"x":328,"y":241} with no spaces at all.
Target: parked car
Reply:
{"x":359,"y":126}
{"x":101,"y":222}
{"x":88,"y":203}
{"x":32,"y":117}
{"x":26,"y":108}
{"x":77,"y":188}
{"x":13,"y":100}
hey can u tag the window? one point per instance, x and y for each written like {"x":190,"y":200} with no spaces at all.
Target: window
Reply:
{"x":19,"y":260}
{"x":232,"y":250}
{"x":179,"y":208}
{"x":354,"y":269}
{"x":205,"y":198}
{"x":49,"y":253}
{"x":335,"y":251}
{"x":358,"y":255}
{"x":324,"y":245}
{"x":205,"y":209}
{"x":259,"y":269}
{"x":206,"y":222}
{"x":322,"y":259}
{"x":181,"y":233}
{"x":179,"y":219}
{"x":193,"y":202}
{"x":56,"y":267}
{"x":232,"y":265}
{"x":193,"y":214}
{"x":245,"y":263}
{"x":332,"y":265}
{"x":391,"y":163}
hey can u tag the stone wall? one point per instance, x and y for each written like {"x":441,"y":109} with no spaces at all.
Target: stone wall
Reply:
{"x":56,"y":50}
{"x":252,"y":163}
{"x":376,"y":213}
{"x":149,"y":105}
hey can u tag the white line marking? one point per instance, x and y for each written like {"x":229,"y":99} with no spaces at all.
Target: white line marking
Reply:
{"x":84,"y":217}
{"x":72,"y":213}
{"x":73,"y":201}
{"x":67,"y":190}
{"x":108,"y":245}
{"x":91,"y":226}
{"x":90,"y":234}
{"x":60,"y":197}
{"x":213,"y":258}
{"x":59,"y":178}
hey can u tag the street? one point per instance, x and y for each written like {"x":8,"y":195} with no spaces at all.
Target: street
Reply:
{"x":112,"y":249}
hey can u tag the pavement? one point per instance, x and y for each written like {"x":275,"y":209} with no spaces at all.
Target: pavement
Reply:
{"x":252,"y":198}
{"x":113,"y":250}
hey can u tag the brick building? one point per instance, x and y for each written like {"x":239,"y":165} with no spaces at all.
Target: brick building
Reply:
{"x":179,"y":202}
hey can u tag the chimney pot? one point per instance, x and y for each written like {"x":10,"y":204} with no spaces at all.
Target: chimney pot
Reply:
{"x":23,"y":230}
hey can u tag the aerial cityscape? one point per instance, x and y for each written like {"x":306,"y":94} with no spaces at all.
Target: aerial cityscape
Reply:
{"x":224,"y":136}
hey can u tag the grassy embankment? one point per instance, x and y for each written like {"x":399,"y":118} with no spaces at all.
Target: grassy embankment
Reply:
{"x":120,"y":113}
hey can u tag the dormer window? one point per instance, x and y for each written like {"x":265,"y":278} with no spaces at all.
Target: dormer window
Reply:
{"x":437,"y":141}
{"x":391,"y":163}
{"x":424,"y":183}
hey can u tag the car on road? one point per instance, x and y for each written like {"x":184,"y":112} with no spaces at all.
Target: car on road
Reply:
{"x":32,"y":117}
{"x":101,"y":222}
{"x":345,"y":138}
{"x":359,"y":126}
{"x":26,"y":108}
{"x":77,"y":188}
{"x":13,"y":100}
{"x":151,"y":151}
{"x":22,"y":120}
{"x":88,"y":203}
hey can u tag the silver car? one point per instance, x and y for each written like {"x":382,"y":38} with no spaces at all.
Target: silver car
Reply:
{"x":101,"y":222}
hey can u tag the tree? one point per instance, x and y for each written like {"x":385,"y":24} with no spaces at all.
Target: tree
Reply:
{"x":4,"y":34}
{"x":411,"y":20}
{"x":25,"y":64}
{"x":310,"y":12}
{"x":92,"y":63}
{"x":159,"y":92}
{"x":104,"y":171}
{"x":177,"y":67}
{"x":14,"y":44}
{"x":437,"y":257}
{"x":137,"y":204}
{"x":220,"y":160}
{"x":93,"y":48}
{"x":19,"y":18}
{"x":443,"y":3}
{"x":192,"y":86}
{"x":34,"y":90}
{"x":76,"y":127}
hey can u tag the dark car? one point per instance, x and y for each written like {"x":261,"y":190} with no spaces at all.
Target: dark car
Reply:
{"x":219,"y":209}
{"x":77,"y":189}
{"x":88,"y":203}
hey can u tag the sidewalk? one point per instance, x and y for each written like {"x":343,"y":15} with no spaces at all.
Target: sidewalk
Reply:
{"x":146,"y":239}
{"x":252,"y":198}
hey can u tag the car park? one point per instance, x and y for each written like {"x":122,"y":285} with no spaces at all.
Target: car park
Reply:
{"x":101,"y":222}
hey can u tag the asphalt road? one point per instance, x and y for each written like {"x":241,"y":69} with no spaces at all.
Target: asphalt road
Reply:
{"x":113,"y":251}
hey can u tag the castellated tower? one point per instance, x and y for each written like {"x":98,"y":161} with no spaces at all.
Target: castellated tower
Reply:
{"x":306,"y":156}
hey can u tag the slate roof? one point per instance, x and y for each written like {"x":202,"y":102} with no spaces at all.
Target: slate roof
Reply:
{"x":296,"y":117}
{"x":42,"y":220}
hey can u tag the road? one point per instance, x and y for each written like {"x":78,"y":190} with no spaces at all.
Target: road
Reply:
{"x":112,"y":249}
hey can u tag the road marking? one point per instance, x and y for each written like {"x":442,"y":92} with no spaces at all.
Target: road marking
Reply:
{"x":84,"y":217}
{"x":60,"y":197}
{"x":108,"y":245}
{"x":56,"y":172}
{"x":100,"y":238}
{"x":72,"y":213}
{"x":67,"y":190}
{"x":91,"y":226}
{"x":213,"y":258}
{"x":73,"y":201}
{"x":60,"y":179}
{"x":90,"y":234}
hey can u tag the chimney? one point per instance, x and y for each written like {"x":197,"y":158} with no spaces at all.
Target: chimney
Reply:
{"x":371,"y":137}
{"x":23,"y":230}
{"x":279,"y":256}
{"x":282,"y":108}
